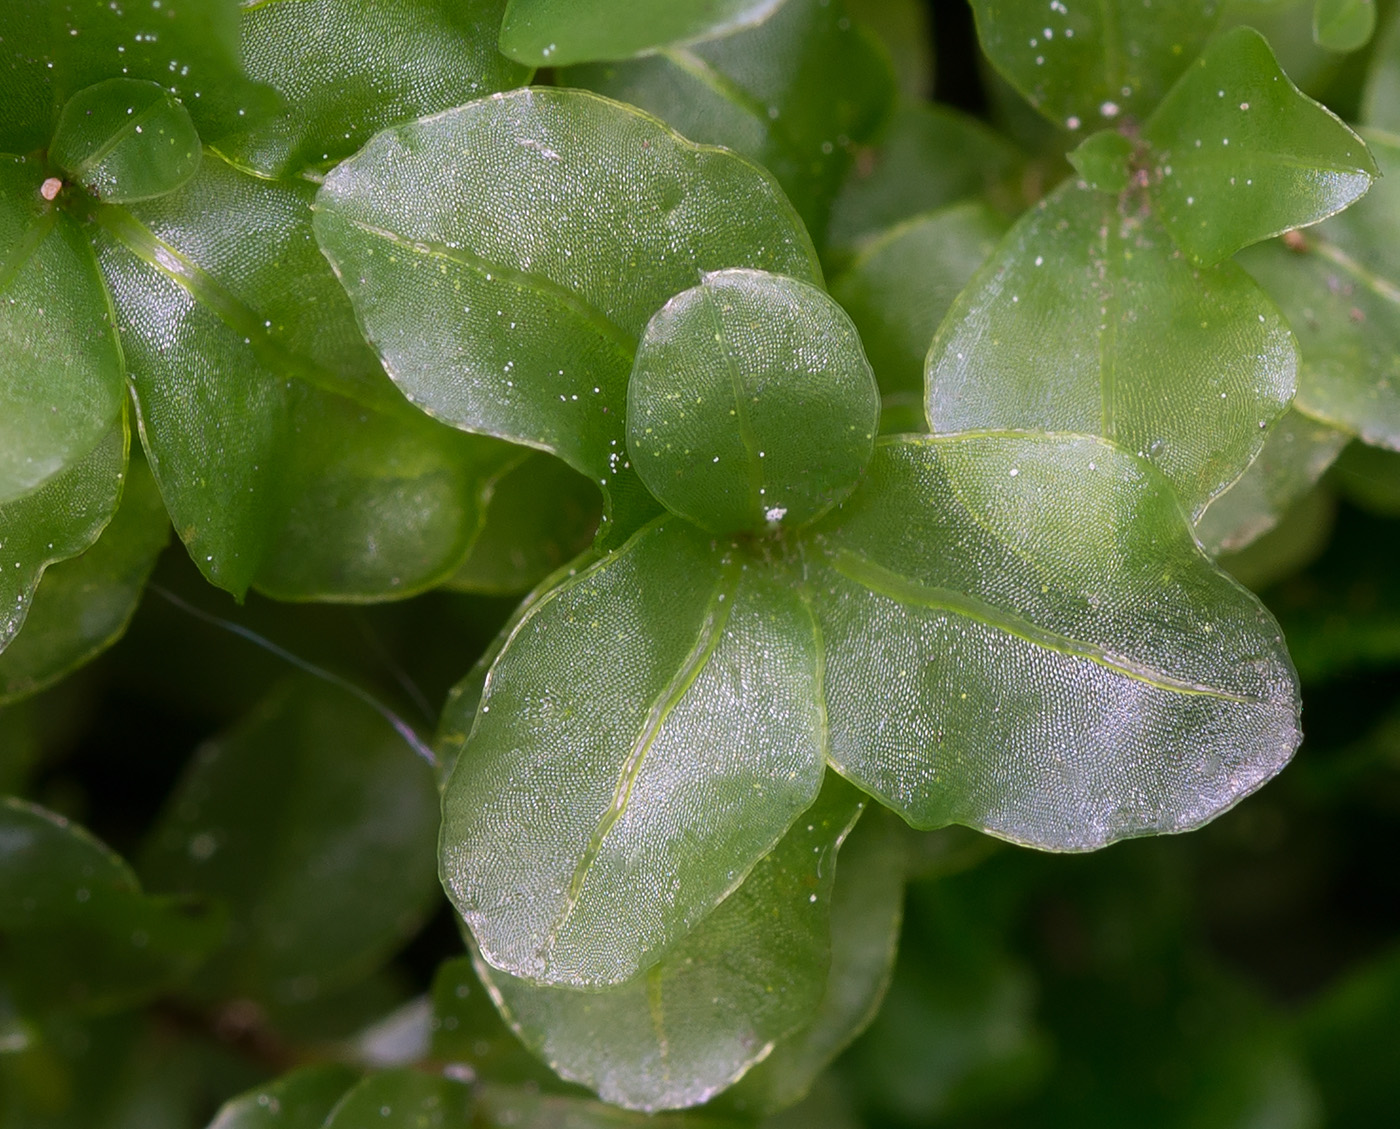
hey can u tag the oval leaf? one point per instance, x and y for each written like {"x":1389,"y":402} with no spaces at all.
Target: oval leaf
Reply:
{"x":1021,"y":635}
{"x":404,"y":1099}
{"x":300,"y":1099}
{"x":1343,"y":25}
{"x":650,"y":730}
{"x":1064,"y":330}
{"x":751,"y":404}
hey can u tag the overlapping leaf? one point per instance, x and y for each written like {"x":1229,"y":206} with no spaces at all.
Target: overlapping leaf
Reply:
{"x":403,"y":1099}
{"x":1343,"y":25}
{"x":301,"y":1099}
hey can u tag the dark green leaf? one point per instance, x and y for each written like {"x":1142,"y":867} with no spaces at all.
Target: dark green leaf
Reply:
{"x":344,"y":68}
{"x":901,"y":286}
{"x":555,"y":33}
{"x":1241,"y":154}
{"x":524,"y":1107}
{"x":751,"y":973}
{"x":904,"y":29}
{"x":582,"y":837}
{"x":1104,"y":160}
{"x":1064,"y":330}
{"x":126,"y":139}
{"x":316,"y":824}
{"x":58,"y":520}
{"x":506,"y":293}
{"x":1021,"y":635}
{"x":751,"y":405}
{"x":61,"y":377}
{"x":404,"y":1099}
{"x":1343,"y":25}
{"x":83,"y":605}
{"x":299,"y":1100}
{"x":78,"y":931}
{"x":1298,"y":538}
{"x":469,"y":1033}
{"x":768,"y":93}
{"x":1340,"y":288}
{"x":1086,"y":64}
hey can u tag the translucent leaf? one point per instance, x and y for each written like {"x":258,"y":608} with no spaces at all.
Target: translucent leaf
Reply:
{"x":83,"y":605}
{"x":1292,"y":459}
{"x":58,"y":520}
{"x":542,"y":33}
{"x":342,"y":67}
{"x":902,"y":284}
{"x":650,"y":730}
{"x":244,"y":355}
{"x":1084,"y":64}
{"x":61,"y":377}
{"x":1021,"y":635}
{"x":748,"y":975}
{"x":1343,"y":25}
{"x":404,"y":1099}
{"x":1339,"y":285}
{"x":79,"y":933}
{"x":317,"y":825}
{"x":126,"y":139}
{"x":793,"y":94}
{"x":1380,"y":102}
{"x":1089,"y":320}
{"x":751,"y":405}
{"x":508,"y":297}
{"x":1241,"y":154}
{"x":300,"y":1099}
{"x":927,"y":158}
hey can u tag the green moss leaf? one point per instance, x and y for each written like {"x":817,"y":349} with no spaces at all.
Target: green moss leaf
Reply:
{"x":581,"y":838}
{"x":1104,"y":160}
{"x":1021,"y":635}
{"x":751,"y":405}
{"x":749,"y":974}
{"x":1380,"y":103}
{"x":1241,"y":154}
{"x":403,"y":1099}
{"x":545,"y":33}
{"x":300,"y":1099}
{"x":126,"y":139}
{"x":1089,"y":320}
{"x":1343,"y":25}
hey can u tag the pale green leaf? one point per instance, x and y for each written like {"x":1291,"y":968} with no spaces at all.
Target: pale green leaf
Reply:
{"x":61,"y":377}
{"x":1343,"y":25}
{"x":751,"y":973}
{"x":83,"y":604}
{"x":126,"y":139}
{"x":650,"y":730}
{"x":1299,"y":537}
{"x":1066,"y":329}
{"x":1239,"y":153}
{"x":751,"y":405}
{"x":1339,"y":285}
{"x":1084,"y":65}
{"x":506,"y":293}
{"x":525,"y":1107}
{"x":1021,"y":635}
{"x":555,"y":33}
{"x":793,"y":94}
{"x":300,"y":1099}
{"x":341,"y":66}
{"x":1104,"y":160}
{"x":404,"y":1099}
{"x":58,"y":520}
{"x":1380,"y":102}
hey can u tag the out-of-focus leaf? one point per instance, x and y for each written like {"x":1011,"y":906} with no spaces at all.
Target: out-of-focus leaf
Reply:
{"x":83,"y":605}
{"x":1339,"y":286}
{"x":350,"y":67}
{"x":126,"y":139}
{"x":542,"y":514}
{"x":1239,"y":153}
{"x":582,"y":837}
{"x":1022,"y":636}
{"x":927,"y":158}
{"x":58,"y":520}
{"x":1293,"y":458}
{"x":1088,"y":320}
{"x":507,"y":293}
{"x":521,"y":1107}
{"x":1370,"y":478}
{"x":78,"y":931}
{"x":544,"y":33}
{"x":1293,"y":543}
{"x":1380,"y":103}
{"x":904,"y":29}
{"x":749,"y":974}
{"x":61,"y":376}
{"x":1104,"y":160}
{"x":1081,"y":64}
{"x":751,"y":405}
{"x":316,"y":824}
{"x":404,"y":1099}
{"x":1343,"y":25}
{"x":245,"y":357}
{"x":900,"y":287}
{"x":468,"y":1032}
{"x":794,"y":94}
{"x":299,"y":1100}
